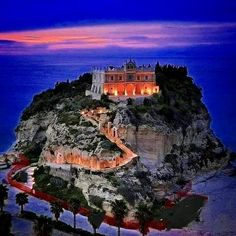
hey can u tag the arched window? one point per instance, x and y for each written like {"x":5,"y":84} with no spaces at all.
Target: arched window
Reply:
{"x":130,"y":77}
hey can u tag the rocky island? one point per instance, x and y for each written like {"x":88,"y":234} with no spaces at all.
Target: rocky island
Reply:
{"x":141,"y":142}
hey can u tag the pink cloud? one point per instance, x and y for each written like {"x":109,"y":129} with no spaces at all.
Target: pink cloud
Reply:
{"x":124,"y":35}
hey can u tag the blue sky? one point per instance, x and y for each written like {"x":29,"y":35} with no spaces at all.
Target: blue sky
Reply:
{"x":34,"y":27}
{"x":27,"y":14}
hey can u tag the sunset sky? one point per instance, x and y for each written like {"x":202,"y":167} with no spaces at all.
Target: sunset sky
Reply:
{"x":36,"y":27}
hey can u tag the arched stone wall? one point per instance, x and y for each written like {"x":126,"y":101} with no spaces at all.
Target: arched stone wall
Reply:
{"x":130,"y":89}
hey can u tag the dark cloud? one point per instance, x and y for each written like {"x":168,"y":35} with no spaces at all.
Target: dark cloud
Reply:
{"x":8,"y":42}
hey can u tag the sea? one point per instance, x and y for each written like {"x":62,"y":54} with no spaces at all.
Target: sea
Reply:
{"x":21,"y":77}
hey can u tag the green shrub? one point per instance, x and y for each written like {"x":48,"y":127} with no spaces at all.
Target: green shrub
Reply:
{"x":68,"y":118}
{"x":113,"y":179}
{"x":181,"y":181}
{"x":58,"y":182}
{"x":108,"y":145}
{"x":29,"y":215}
{"x":32,"y":151}
{"x":143,"y":177}
{"x":47,"y":100}
{"x":96,"y":201}
{"x":130,"y":101}
{"x":57,"y":187}
{"x":21,"y":176}
{"x":128,"y":193}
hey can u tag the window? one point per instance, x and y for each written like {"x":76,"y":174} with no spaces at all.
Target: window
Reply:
{"x":120,"y":78}
{"x":138,"y":78}
{"x":130,"y":77}
{"x":111,"y":77}
{"x":146,"y":77}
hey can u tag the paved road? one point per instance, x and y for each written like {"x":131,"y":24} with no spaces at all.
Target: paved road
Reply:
{"x":218,"y":217}
{"x":41,"y":207}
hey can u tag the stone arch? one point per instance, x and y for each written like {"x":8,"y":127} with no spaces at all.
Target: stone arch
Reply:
{"x":138,"y":89}
{"x":120,"y":89}
{"x":147,"y":89}
{"x":130,"y":89}
{"x":111,"y":89}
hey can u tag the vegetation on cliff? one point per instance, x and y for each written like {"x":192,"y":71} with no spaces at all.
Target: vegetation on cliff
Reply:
{"x":47,"y":100}
{"x":57,"y":187}
{"x":71,"y":95}
{"x":60,"y":108}
{"x":178,"y":108}
{"x":180,"y":97}
{"x":177,"y":103}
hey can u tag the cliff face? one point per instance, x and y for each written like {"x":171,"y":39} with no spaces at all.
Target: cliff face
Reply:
{"x":65,"y":143}
{"x":150,"y":144}
{"x":154,"y":130}
{"x":194,"y":148}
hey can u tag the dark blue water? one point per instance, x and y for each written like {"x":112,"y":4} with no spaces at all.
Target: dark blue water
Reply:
{"x":23,"y":76}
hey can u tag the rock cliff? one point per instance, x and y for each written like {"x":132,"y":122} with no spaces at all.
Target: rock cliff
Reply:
{"x":170,"y":132}
{"x":163,"y":149}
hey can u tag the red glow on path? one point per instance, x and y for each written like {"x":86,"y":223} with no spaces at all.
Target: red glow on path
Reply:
{"x":23,"y":162}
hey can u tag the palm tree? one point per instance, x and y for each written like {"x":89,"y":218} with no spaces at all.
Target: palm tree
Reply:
{"x":56,"y":209}
{"x":143,"y":215}
{"x":95,"y":218}
{"x":3,"y":195}
{"x":21,"y":200}
{"x":120,"y":210}
{"x":43,"y":226}
{"x":74,"y":206}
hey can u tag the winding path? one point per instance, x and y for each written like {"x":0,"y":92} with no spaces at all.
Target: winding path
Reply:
{"x":128,"y":154}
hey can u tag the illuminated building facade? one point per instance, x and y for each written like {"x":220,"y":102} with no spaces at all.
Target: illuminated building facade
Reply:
{"x":129,"y":80}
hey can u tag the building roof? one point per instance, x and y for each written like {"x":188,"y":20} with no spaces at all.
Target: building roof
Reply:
{"x":130,"y":66}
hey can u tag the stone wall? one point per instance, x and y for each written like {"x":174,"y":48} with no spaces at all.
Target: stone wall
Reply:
{"x":62,"y":171}
{"x":62,"y":155}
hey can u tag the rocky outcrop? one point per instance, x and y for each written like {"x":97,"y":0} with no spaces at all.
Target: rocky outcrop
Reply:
{"x":152,"y":139}
{"x":170,"y":132}
{"x":78,"y":143}
{"x":33,"y":130}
